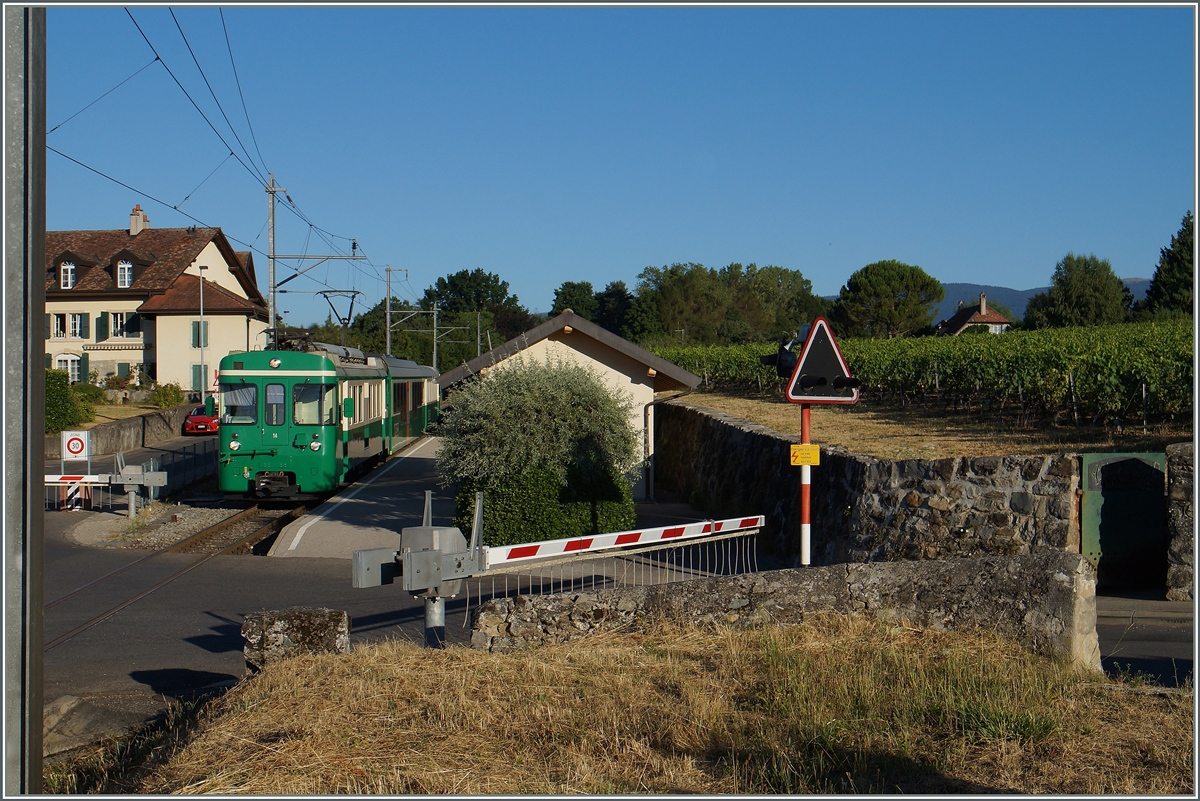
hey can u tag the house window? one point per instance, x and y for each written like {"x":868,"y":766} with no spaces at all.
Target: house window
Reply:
{"x":70,"y":364}
{"x":118,"y":324}
{"x":78,"y":326}
{"x":67,"y":274}
{"x":124,"y":274}
{"x":199,"y":341}
{"x":60,"y":326}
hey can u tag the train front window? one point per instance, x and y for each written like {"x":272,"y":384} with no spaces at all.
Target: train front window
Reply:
{"x":275,"y":403}
{"x":239,"y":404}
{"x":312,"y":404}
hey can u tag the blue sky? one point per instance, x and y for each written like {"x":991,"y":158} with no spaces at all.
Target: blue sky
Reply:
{"x":584,"y":144}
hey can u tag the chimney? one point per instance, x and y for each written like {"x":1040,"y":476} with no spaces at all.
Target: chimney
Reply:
{"x":982,"y":304}
{"x":138,"y":221}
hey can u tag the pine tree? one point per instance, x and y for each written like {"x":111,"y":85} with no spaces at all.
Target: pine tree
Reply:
{"x":1170,"y":290}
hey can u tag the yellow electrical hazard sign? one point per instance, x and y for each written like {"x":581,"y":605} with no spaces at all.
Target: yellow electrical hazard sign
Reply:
{"x":806,"y":454}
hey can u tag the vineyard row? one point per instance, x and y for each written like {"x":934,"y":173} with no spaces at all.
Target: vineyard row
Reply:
{"x":1100,"y":372}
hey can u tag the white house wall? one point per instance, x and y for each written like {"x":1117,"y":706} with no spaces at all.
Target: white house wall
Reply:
{"x":219,"y":271}
{"x":226,"y":334}
{"x":103,"y":356}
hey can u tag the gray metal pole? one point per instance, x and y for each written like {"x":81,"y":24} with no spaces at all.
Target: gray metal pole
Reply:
{"x":387,"y":315}
{"x":271,"y":190}
{"x":435,"y":622}
{"x":435,"y":335}
{"x":24,"y":392}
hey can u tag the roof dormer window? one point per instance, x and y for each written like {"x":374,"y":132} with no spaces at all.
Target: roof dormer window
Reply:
{"x":67,"y":275}
{"x":124,"y":274}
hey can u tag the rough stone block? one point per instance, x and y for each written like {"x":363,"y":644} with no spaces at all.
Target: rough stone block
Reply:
{"x":274,"y":636}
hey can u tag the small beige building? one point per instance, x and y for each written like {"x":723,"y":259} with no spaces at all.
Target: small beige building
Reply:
{"x":623,"y":366}
{"x":128,"y":301}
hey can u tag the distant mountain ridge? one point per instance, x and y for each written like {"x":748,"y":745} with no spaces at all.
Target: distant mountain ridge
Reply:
{"x":1014,"y":299}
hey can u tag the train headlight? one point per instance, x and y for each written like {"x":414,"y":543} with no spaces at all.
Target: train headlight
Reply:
{"x":234,"y":445}
{"x":314,"y":445}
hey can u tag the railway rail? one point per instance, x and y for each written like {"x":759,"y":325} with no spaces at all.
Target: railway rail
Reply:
{"x":246,"y":532}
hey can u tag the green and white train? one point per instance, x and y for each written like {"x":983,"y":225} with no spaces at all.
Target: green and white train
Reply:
{"x":303,"y":420}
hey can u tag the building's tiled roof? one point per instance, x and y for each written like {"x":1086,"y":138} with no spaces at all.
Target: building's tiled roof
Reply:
{"x":167,"y":252}
{"x":668,"y":376}
{"x":184,"y":298}
{"x":160,"y":254}
{"x":969,"y":315}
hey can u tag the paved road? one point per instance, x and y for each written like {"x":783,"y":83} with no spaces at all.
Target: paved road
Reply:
{"x":1141,"y":632}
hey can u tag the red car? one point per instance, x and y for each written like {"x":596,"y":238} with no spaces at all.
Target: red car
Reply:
{"x":197,"y":422}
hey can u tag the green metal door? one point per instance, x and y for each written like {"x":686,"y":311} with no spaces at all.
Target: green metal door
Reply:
{"x":1124,"y":518}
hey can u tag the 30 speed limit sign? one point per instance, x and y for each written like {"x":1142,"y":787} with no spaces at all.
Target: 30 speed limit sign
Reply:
{"x":75,"y":445}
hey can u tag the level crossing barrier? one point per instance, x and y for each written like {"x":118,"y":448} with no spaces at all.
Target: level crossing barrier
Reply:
{"x":436,"y":563}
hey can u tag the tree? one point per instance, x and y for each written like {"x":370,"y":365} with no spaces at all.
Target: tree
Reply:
{"x":579,"y":297}
{"x":1170,"y":290}
{"x":612,"y":307}
{"x":886,"y":299}
{"x":477,"y":291}
{"x":550,"y":446}
{"x":1083,"y":291}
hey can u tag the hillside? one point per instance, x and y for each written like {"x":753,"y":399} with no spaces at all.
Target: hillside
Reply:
{"x":1015,"y":299}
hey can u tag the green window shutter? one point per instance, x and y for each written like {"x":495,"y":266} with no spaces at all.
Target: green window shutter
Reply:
{"x":206,"y":333}
{"x":102,"y":327}
{"x":197,"y":376}
{"x":195,"y":333}
{"x":83,"y":368}
{"x":122,"y":369}
{"x":47,"y":326}
{"x":49,"y":361}
{"x":133,"y":324}
{"x":85,"y":325}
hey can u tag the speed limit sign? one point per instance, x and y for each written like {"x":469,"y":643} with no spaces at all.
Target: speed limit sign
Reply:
{"x":76,"y":445}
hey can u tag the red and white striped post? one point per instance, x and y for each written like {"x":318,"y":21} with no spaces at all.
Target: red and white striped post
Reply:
{"x":805,"y":484}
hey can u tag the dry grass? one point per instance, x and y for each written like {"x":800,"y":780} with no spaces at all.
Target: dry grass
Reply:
{"x":838,"y":704}
{"x":106,"y":413}
{"x":932,"y":433}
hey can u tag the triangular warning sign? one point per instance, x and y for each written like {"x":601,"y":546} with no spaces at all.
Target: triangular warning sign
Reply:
{"x":821,"y":374}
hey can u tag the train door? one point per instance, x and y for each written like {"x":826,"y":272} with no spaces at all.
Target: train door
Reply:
{"x":276,"y":429}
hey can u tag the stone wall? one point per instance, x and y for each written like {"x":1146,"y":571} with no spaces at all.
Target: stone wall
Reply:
{"x":1046,"y":601}
{"x":1180,"y":521}
{"x":867,"y":509}
{"x":128,"y":434}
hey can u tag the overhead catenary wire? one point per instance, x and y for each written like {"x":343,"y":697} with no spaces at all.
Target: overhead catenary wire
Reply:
{"x":101,"y":97}
{"x":150,"y":44}
{"x":324,"y":234}
{"x":164,"y":203}
{"x":238,"y":81}
{"x":210,"y":175}
{"x":220,"y":108}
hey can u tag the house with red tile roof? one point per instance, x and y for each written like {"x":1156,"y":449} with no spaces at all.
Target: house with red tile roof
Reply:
{"x":128,"y":301}
{"x":972,"y":316}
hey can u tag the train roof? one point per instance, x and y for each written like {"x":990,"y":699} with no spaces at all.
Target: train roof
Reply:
{"x":350,"y":360}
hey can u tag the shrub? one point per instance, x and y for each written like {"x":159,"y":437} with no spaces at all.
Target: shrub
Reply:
{"x":548,"y":444}
{"x":114,"y":381}
{"x":88,"y":393}
{"x":164,"y":396}
{"x":63,"y":407}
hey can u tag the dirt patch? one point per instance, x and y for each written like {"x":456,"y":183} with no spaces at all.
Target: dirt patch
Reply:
{"x":929,"y":432}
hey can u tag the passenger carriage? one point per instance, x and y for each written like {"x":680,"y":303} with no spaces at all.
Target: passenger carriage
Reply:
{"x":303,"y":420}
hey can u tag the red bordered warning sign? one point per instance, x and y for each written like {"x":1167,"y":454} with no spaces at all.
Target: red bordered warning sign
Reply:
{"x":821,"y":374}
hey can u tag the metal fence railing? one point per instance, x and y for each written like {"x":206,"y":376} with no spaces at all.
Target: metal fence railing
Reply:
{"x":184,"y":467}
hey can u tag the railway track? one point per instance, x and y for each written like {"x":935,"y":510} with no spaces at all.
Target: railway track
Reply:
{"x":246,"y":532}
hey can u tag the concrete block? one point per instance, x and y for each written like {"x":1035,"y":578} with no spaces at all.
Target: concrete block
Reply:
{"x":273,"y":636}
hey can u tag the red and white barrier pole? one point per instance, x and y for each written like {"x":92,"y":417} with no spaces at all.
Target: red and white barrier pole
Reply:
{"x":805,"y":481}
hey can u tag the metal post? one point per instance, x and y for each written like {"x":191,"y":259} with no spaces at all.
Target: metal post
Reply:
{"x":387,"y":315}
{"x":435,"y":622}
{"x":203,"y":366}
{"x":435,"y":335}
{"x":24,"y":301}
{"x":131,"y":501}
{"x":271,"y":190}
{"x":805,"y":485}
